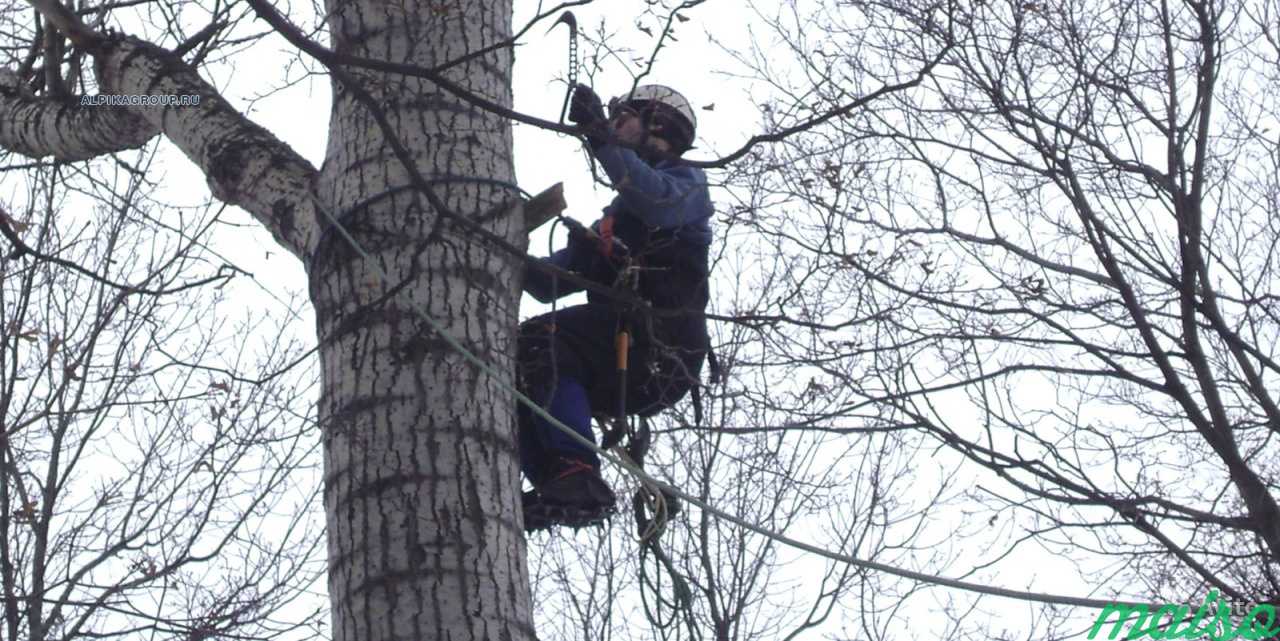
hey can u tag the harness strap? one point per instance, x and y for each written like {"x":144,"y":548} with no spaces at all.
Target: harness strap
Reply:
{"x":716,"y":373}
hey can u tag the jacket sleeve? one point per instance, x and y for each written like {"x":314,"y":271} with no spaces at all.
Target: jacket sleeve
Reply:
{"x":665,"y":198}
{"x":543,"y":286}
{"x":580,"y":256}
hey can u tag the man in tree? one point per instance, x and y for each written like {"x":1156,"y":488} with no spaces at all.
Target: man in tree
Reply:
{"x":653,"y":239}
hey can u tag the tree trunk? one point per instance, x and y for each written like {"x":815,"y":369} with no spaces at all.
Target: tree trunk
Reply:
{"x":421,"y":486}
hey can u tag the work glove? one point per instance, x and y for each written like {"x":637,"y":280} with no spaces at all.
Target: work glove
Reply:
{"x":586,"y":111}
{"x":582,"y":237}
{"x":589,"y":240}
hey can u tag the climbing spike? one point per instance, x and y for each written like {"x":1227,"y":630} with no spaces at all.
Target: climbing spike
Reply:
{"x":540,"y":516}
{"x":566,"y":18}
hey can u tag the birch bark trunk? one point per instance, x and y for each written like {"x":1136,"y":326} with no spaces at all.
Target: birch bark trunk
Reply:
{"x":421,"y":490}
{"x":424,"y":539}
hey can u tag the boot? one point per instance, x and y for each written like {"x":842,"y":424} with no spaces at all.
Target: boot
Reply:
{"x":573,"y":494}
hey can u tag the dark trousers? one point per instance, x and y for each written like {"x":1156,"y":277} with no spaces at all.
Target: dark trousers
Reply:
{"x":577,"y":343}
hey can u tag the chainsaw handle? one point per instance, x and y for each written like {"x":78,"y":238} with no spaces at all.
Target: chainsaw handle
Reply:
{"x":619,"y":249}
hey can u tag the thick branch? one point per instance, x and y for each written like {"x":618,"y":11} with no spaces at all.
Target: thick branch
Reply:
{"x":244,"y":163}
{"x":63,"y":128}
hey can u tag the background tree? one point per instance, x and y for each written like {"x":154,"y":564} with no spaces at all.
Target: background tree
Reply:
{"x":1054,"y":260}
{"x":148,"y":488}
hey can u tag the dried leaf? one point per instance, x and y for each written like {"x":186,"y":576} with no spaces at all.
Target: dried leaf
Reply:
{"x":15,"y":224}
{"x":710,"y":107}
{"x":27,"y":513}
{"x":146,"y":566}
{"x":220,"y":387}
{"x":645,"y":29}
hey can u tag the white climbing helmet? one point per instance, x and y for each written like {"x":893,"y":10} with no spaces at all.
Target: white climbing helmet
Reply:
{"x":674,"y":101}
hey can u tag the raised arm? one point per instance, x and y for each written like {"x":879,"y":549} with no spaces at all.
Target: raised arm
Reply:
{"x":666,"y":197}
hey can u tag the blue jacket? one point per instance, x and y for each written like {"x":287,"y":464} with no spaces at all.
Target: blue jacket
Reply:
{"x":663,"y":213}
{"x":670,"y":195}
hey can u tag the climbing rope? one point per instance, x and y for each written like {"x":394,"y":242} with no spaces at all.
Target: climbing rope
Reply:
{"x":635,"y":471}
{"x":643,"y":477}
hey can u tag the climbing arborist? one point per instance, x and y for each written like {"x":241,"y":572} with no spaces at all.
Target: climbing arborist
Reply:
{"x":652,"y":241}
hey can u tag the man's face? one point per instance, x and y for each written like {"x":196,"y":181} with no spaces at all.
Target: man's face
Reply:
{"x":629,"y":127}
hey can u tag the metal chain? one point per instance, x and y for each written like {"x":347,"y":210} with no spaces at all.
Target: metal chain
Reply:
{"x":571,"y":22}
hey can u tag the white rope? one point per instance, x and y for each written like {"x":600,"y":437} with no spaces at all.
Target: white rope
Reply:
{"x":651,"y":482}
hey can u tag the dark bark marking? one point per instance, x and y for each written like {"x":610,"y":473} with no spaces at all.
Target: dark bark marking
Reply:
{"x":374,"y":487}
{"x":367,"y":317}
{"x":417,"y":347}
{"x":140,"y":48}
{"x":430,"y":102}
{"x":335,"y":253}
{"x":226,"y":161}
{"x":283,"y":211}
{"x":344,"y":416}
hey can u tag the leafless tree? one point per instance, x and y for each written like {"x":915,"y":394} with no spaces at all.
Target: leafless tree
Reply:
{"x":1054,"y":259}
{"x":149,"y":488}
